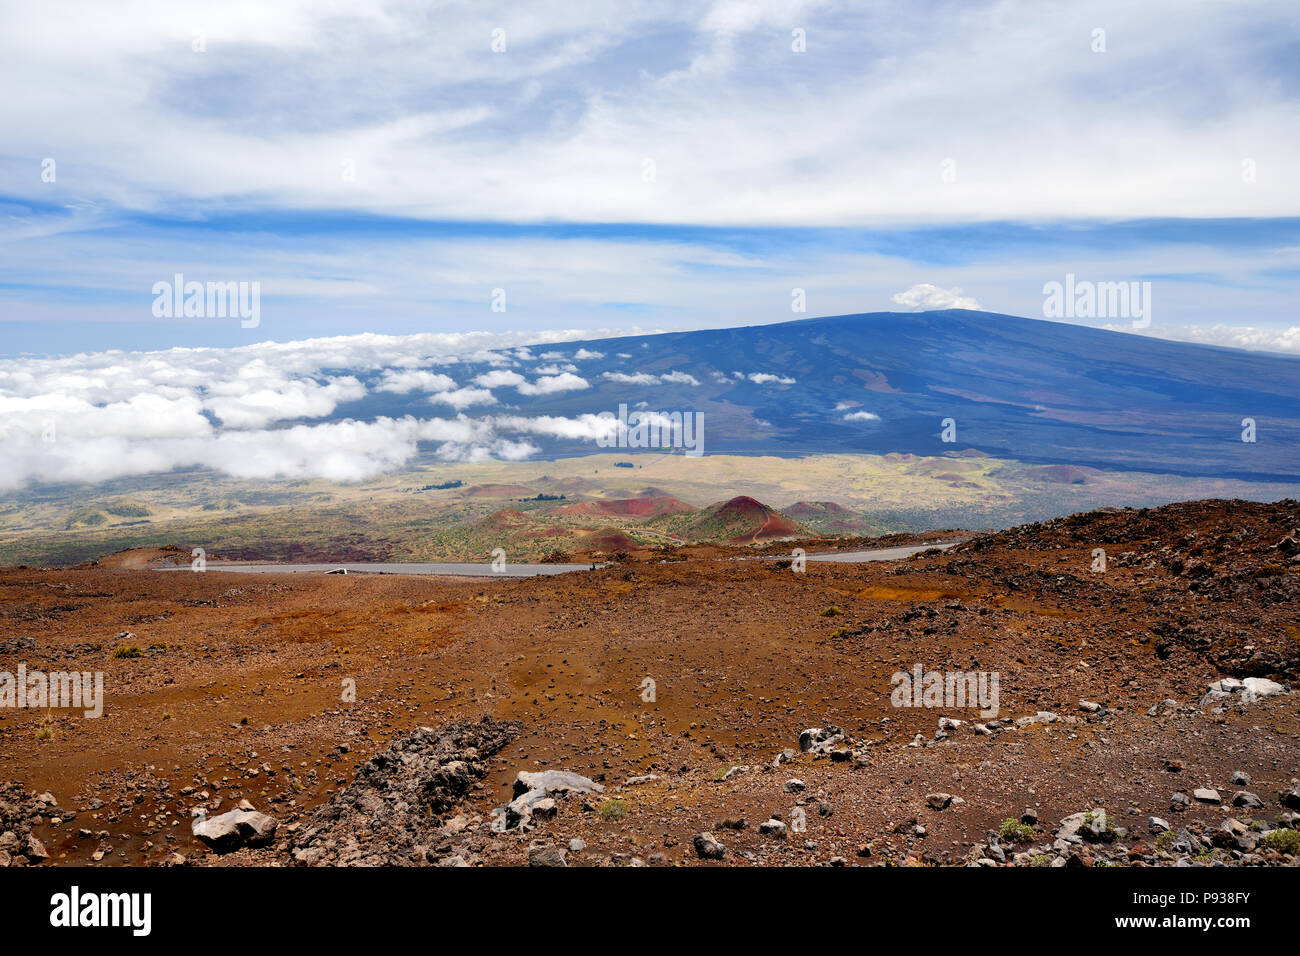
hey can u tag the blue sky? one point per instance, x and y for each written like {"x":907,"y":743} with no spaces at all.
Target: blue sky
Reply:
{"x":380,"y":167}
{"x":325,"y":274}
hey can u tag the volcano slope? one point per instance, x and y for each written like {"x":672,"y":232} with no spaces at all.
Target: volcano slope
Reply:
{"x":239,"y":693}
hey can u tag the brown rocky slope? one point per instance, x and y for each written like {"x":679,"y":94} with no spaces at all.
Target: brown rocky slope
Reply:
{"x":1107,"y":731}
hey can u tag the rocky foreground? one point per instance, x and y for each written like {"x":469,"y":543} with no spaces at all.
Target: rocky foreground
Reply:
{"x":699,"y":711}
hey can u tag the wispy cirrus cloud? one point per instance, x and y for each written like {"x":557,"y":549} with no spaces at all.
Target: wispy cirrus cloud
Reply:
{"x":328,"y":105}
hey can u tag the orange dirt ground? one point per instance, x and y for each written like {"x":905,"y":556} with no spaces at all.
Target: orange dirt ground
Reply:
{"x":238,"y":692}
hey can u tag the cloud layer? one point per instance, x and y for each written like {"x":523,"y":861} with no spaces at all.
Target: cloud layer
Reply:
{"x":802,"y":112}
{"x":280,"y":410}
{"x":96,"y":416}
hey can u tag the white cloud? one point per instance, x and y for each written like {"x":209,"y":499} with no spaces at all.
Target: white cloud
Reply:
{"x":551,"y":384}
{"x":140,"y":417}
{"x":498,"y":378}
{"x":513,"y":450}
{"x":631,"y":378}
{"x":464,"y":397}
{"x":344,"y":451}
{"x":544,"y":385}
{"x":584,"y":427}
{"x":99,"y":416}
{"x":767,"y":378}
{"x":402,"y":381}
{"x":500,"y":448}
{"x":556,"y":128}
{"x":583,"y":355}
{"x":255,"y":402}
{"x":861,"y":417}
{"x":337,"y":451}
{"x":1230,"y":336}
{"x":648,"y":378}
{"x":679,"y":378}
{"x":924,"y":297}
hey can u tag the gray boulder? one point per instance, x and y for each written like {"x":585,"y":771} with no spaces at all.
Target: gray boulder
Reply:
{"x":1042,"y":717}
{"x":819,"y":740}
{"x":535,"y":794}
{"x":235,"y":829}
{"x":547,"y":856}
{"x":708,"y":848}
{"x":1257,"y":688}
{"x":34,"y":849}
{"x":1090,"y":825}
{"x":562,"y":782}
{"x":1248,"y":691}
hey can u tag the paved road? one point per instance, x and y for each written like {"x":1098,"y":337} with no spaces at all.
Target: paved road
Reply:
{"x":857,"y":557}
{"x":531,"y":570}
{"x":879,"y":554}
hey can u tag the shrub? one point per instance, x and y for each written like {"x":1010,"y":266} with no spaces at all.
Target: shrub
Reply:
{"x":1284,"y":841}
{"x":613,"y":810}
{"x":1016,"y":832}
{"x":123,"y":653}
